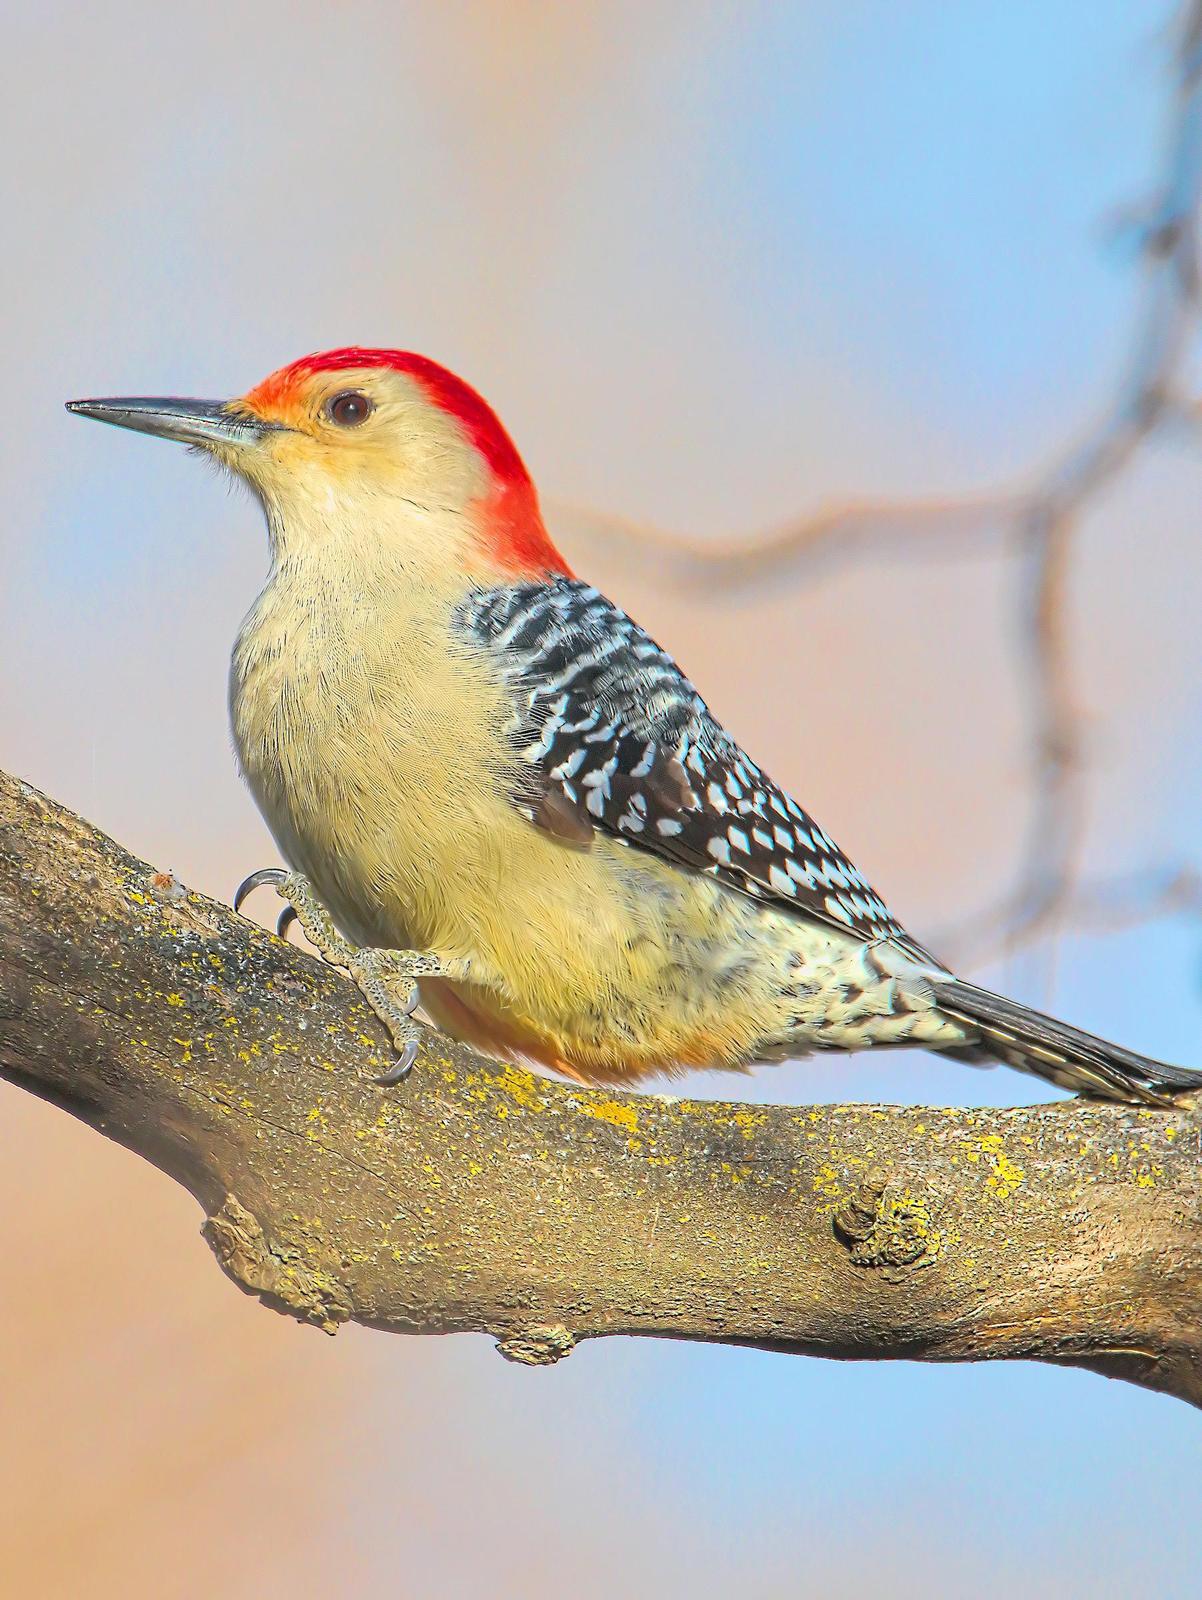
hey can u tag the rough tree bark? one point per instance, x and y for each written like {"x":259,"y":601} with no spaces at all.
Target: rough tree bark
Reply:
{"x":481,"y":1197}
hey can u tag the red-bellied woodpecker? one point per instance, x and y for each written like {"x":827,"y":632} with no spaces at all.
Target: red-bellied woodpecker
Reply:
{"x":495,"y":784}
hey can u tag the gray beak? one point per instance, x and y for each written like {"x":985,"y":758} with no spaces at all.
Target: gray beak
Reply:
{"x":198,"y":422}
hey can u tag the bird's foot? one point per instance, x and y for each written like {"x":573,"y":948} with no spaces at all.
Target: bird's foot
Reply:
{"x":387,"y":979}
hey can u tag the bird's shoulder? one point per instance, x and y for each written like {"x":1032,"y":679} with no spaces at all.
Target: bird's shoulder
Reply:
{"x":608,"y":733}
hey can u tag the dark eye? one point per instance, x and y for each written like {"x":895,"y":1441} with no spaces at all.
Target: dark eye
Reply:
{"x":349,"y":408}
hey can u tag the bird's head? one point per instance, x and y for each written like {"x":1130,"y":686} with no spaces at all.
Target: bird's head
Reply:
{"x":375,"y":445}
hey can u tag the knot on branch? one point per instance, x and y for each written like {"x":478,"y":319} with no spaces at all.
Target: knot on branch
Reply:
{"x":888,"y":1227}
{"x":274,"y":1273}
{"x":539,"y":1346}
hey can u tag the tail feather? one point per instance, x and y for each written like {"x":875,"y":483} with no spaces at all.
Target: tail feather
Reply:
{"x":1065,"y":1055}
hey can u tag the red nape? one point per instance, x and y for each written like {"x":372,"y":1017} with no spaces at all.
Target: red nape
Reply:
{"x":515,"y":521}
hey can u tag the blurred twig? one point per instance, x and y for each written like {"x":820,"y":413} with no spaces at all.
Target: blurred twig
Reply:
{"x":1039,"y":524}
{"x":1110,"y":906}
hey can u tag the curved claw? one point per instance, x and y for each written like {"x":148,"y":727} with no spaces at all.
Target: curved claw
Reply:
{"x":284,"y":921}
{"x":401,"y":1067}
{"x":258,"y":880}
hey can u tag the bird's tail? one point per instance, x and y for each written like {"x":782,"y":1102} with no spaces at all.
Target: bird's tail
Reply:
{"x":1063,"y":1054}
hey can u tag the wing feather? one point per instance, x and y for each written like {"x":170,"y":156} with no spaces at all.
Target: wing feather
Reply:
{"x":609,"y":734}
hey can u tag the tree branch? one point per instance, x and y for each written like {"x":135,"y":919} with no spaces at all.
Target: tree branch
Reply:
{"x":1038,"y":521}
{"x":481,"y":1197}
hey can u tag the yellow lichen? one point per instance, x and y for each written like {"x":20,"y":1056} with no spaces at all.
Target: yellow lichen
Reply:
{"x":1005,"y":1177}
{"x":826,"y":1182}
{"x":520,"y":1086}
{"x":614,"y":1112}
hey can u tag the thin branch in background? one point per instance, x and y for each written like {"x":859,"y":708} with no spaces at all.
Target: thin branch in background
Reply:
{"x":941,"y":530}
{"x":1110,"y":906}
{"x":1038,"y":524}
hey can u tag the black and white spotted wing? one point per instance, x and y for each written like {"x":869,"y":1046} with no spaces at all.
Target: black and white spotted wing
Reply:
{"x":614,"y":736}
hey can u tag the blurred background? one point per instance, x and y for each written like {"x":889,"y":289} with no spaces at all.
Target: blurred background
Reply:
{"x":718,"y":266}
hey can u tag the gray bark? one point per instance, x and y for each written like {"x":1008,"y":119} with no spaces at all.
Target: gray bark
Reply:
{"x":482,"y":1197}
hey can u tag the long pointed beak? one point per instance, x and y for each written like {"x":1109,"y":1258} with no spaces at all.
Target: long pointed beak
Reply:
{"x":199,"y":422}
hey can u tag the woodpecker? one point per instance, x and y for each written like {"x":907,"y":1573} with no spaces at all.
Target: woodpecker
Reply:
{"x":497,"y":794}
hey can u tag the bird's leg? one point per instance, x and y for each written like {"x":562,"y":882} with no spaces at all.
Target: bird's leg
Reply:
{"x":385,"y":978}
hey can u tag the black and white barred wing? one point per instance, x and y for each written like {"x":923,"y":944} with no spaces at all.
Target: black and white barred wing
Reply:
{"x":610,"y":734}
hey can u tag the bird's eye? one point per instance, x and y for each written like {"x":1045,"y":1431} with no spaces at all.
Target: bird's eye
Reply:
{"x":349,"y":408}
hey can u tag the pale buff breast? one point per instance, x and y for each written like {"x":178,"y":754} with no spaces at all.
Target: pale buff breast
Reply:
{"x":351,"y":716}
{"x":373,"y":743}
